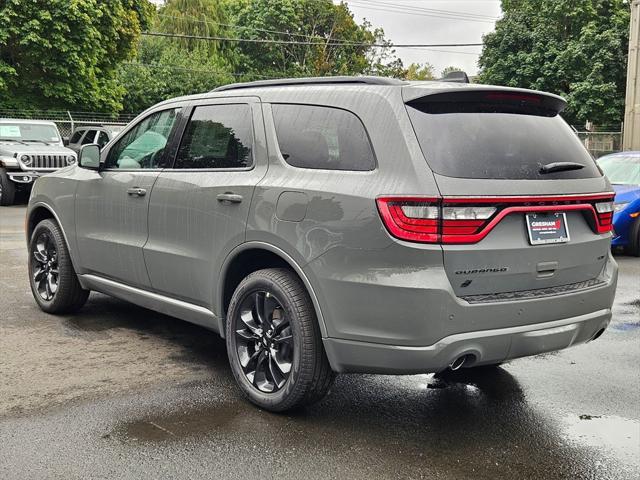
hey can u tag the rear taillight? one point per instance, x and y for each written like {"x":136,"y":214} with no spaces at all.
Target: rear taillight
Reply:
{"x":426,"y":220}
{"x":604,"y":211}
{"x":469,"y":219}
{"x":412,"y":219}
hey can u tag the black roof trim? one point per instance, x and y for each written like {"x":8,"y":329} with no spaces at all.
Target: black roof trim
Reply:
{"x":284,"y":82}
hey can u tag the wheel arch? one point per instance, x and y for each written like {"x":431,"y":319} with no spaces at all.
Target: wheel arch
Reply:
{"x":250,"y":257}
{"x":41,"y":211}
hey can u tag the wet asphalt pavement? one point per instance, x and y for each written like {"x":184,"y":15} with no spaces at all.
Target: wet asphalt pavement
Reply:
{"x":118,"y":391}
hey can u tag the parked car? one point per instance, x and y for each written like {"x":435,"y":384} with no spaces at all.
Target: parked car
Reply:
{"x":93,"y":134}
{"x":28,"y":149}
{"x":623,"y":171}
{"x":345,"y":224}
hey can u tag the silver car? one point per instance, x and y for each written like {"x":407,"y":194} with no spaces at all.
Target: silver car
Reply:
{"x":339,"y":225}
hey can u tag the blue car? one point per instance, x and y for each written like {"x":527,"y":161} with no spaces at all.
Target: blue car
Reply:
{"x":623,"y":171}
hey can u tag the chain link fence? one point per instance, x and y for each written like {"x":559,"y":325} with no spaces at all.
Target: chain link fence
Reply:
{"x":601,"y":142}
{"x":68,"y":121}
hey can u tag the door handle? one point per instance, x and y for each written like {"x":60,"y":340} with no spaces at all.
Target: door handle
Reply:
{"x":229,"y":197}
{"x":140,"y":192}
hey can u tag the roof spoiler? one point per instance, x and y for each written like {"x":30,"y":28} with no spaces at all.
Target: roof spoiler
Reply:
{"x":457,"y":76}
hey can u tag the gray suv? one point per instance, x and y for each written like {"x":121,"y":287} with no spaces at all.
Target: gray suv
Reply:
{"x":339,"y":225}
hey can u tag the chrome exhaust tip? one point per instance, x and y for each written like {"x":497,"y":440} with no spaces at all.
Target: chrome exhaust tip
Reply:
{"x":458,"y":363}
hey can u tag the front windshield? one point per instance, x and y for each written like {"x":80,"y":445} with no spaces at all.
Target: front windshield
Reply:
{"x":29,"y":132}
{"x":621,"y":169}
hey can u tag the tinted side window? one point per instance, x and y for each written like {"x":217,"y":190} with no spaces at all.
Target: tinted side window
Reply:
{"x":217,"y":136}
{"x":322,"y":137}
{"x":143,"y":145}
{"x":89,"y":137}
{"x":75,"y":138}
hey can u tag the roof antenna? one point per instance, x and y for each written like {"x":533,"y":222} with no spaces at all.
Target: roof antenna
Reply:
{"x":457,"y":76}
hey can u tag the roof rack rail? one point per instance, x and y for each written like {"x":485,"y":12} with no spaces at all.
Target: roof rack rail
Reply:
{"x":369,"y":80}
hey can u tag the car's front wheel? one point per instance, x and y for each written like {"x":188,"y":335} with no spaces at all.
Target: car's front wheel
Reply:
{"x":274,"y":344}
{"x":53,"y":280}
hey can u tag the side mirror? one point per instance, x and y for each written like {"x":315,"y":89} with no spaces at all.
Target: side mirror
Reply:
{"x":65,"y":141}
{"x":89,"y":156}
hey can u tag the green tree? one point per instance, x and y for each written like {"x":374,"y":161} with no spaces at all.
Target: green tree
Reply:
{"x":417,"y":71}
{"x":577,"y":49}
{"x":64,"y":53}
{"x":205,"y":18}
{"x":166,"y":67}
{"x":161,"y":72}
{"x":340,"y":46}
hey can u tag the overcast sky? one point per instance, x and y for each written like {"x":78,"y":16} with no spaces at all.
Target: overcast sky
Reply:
{"x":407,"y":21}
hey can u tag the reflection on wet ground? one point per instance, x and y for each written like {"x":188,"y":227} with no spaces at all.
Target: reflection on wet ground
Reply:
{"x":468,"y":421}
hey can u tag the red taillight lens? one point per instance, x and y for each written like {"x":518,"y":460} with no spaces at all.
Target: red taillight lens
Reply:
{"x":604,"y":211}
{"x":412,"y":219}
{"x":426,"y":220}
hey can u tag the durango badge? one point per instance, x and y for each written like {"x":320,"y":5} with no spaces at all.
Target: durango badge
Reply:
{"x":481,"y":270}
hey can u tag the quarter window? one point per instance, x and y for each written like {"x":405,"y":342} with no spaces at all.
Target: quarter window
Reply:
{"x":143,"y":146}
{"x":217,"y":136}
{"x":322,"y":138}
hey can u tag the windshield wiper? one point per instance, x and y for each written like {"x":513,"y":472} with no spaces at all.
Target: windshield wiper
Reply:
{"x":12,"y":140}
{"x":560,"y":167}
{"x":40,"y":141}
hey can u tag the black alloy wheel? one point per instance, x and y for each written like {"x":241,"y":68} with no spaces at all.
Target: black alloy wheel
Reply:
{"x":264,"y":342}
{"x":44,"y":269}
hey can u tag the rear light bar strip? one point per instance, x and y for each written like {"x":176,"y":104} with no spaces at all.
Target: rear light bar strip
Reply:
{"x":587,"y":197}
{"x":468,"y":231}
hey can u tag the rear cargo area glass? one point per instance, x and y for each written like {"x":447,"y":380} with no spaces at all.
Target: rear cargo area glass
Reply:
{"x":497,"y":145}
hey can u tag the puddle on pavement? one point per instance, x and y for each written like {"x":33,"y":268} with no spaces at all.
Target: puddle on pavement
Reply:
{"x":625,"y":326}
{"x":619,"y":435}
{"x":196,"y":422}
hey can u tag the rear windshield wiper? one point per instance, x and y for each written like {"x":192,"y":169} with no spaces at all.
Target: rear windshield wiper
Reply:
{"x":560,"y":167}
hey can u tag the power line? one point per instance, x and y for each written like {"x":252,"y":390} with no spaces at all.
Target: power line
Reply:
{"x":413,"y":8}
{"x":297,"y":42}
{"x":392,"y":9}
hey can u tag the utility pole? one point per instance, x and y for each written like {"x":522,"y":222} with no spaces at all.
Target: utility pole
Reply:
{"x":631,"y":140}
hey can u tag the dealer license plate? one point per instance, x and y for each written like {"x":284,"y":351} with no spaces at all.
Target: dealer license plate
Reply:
{"x":547,"y":228}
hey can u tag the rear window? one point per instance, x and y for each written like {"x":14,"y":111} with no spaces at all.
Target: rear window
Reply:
{"x":497,"y":139}
{"x":322,"y":138}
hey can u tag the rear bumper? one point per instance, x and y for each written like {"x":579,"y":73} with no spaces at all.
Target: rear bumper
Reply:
{"x":483,"y":347}
{"x":400,"y":315}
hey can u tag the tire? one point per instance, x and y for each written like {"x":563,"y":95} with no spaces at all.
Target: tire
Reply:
{"x":290,"y":338}
{"x":634,"y":239}
{"x":7,"y":189}
{"x":49,"y":259}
